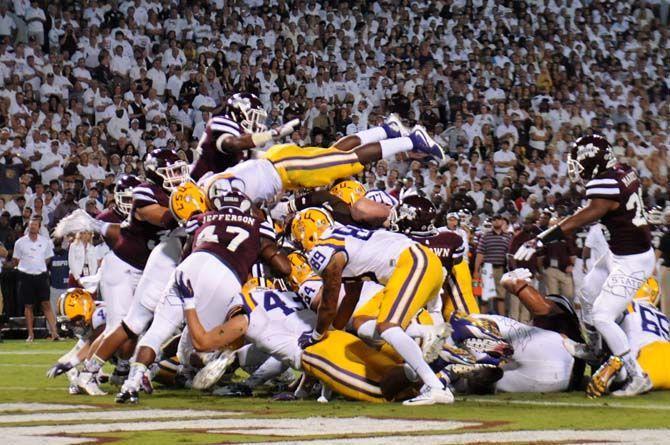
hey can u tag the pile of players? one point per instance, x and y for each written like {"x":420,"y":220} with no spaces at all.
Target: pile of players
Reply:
{"x":277,"y":262}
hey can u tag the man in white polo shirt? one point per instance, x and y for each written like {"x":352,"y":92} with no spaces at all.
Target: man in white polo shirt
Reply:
{"x":32,"y":252}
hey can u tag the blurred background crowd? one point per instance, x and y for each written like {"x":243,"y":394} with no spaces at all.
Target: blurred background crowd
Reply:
{"x":88,"y":87}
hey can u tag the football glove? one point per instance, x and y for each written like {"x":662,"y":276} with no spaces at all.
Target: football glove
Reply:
{"x":527,"y":250}
{"x":58,"y":369}
{"x":518,"y":274}
{"x":308,"y":339}
{"x":655,"y":215}
{"x":184,"y":290}
{"x":285,"y":129}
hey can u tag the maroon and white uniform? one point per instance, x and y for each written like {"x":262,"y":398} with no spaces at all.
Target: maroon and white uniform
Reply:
{"x":122,"y":268}
{"x":225,"y":247}
{"x":611,"y":285}
{"x":629,"y":232}
{"x":213,"y":158}
{"x":449,"y":247}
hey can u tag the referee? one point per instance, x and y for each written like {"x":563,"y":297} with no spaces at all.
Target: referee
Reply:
{"x":32,"y":252}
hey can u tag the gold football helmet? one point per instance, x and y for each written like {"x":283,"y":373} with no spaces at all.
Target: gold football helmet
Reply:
{"x":308,"y":226}
{"x":300,"y":270}
{"x":75,"y":310}
{"x":649,"y":292}
{"x":187,"y":200}
{"x":348,"y":191}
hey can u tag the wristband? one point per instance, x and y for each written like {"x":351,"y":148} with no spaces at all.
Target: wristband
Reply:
{"x":260,"y":139}
{"x":551,"y":235}
{"x":189,"y":303}
{"x":316,"y":336}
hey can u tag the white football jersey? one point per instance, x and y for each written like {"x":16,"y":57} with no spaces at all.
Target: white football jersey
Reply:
{"x":540,"y":362}
{"x":370,"y":254}
{"x":311,"y":287}
{"x":99,"y":316}
{"x":276,"y":321}
{"x":644,"y":324}
{"x":257,"y":178}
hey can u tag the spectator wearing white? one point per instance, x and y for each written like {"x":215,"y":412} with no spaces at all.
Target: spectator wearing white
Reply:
{"x":494,"y":93}
{"x":355,"y":126}
{"x":119,"y":122}
{"x":507,"y":130}
{"x":503,"y":160}
{"x":203,"y":102}
{"x":157,"y":76}
{"x":36,"y":19}
{"x":176,"y":80}
{"x":82,"y":258}
{"x":119,"y":63}
{"x":154,"y":106}
{"x":539,"y":135}
{"x":32,"y":253}
{"x":471,"y":128}
{"x":50,"y":164}
{"x":7,"y":24}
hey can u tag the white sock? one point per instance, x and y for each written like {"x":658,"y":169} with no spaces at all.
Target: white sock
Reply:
{"x":390,"y":147}
{"x":270,"y":369}
{"x":410,"y":351}
{"x":94,"y":364}
{"x":374,"y":134}
{"x":368,"y":331}
{"x":137,"y":369}
{"x":631,"y":365}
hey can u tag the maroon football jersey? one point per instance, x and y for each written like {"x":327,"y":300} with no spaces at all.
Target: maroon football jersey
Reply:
{"x":629,"y":232}
{"x":233,"y":237}
{"x":111,"y":215}
{"x":137,"y":237}
{"x":446,"y":245}
{"x":213,"y":159}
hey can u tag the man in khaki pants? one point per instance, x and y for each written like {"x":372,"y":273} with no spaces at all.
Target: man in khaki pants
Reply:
{"x":556,"y":260}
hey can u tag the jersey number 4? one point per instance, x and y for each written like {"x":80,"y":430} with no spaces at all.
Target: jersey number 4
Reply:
{"x":635,"y":203}
{"x":208,"y":235}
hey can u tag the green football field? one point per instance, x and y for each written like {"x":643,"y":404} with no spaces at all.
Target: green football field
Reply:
{"x":34,"y":410}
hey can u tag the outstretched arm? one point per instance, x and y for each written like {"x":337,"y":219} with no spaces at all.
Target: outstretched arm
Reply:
{"x":516,"y":282}
{"x":220,"y":336}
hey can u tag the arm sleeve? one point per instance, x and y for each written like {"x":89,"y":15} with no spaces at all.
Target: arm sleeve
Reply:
{"x":603,"y":189}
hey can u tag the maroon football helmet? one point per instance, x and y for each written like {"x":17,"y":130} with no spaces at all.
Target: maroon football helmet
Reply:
{"x":247,"y":110}
{"x":589,"y":157}
{"x":414,"y":214}
{"x":123,"y":192}
{"x":166,"y":169}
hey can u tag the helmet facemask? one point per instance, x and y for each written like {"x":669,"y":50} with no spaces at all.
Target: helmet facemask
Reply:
{"x":174,"y":175}
{"x":254,"y":120}
{"x":124,"y":201}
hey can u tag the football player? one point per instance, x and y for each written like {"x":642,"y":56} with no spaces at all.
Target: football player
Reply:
{"x":147,"y":249}
{"x":226,"y":137}
{"x":414,"y":217}
{"x":614,"y":197}
{"x":226,"y":243}
{"x":648,"y":332}
{"x":273,"y":321}
{"x":290,"y":167}
{"x":86,"y":319}
{"x":347,"y":203}
{"x":411,"y":274}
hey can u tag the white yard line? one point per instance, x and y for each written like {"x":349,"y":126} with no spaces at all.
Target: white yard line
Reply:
{"x":33,"y":352}
{"x":153,"y":414}
{"x":4,"y":407}
{"x":586,"y":404}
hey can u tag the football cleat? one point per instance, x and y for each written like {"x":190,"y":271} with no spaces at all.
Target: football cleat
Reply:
{"x":425,"y":144}
{"x":602,"y":378}
{"x":87,"y":383}
{"x":394,"y":127}
{"x":579,"y":350}
{"x":431,"y":396}
{"x":233,"y":390}
{"x":127,"y":396}
{"x":433,"y":341}
{"x":639,"y":384}
{"x":476,"y":371}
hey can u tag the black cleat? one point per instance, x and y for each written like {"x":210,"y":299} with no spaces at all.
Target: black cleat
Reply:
{"x":126,"y":396}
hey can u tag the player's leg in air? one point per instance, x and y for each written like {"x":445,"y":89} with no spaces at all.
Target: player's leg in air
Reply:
{"x":309,"y":167}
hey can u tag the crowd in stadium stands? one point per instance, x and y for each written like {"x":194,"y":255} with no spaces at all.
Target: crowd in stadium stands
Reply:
{"x":87,"y":88}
